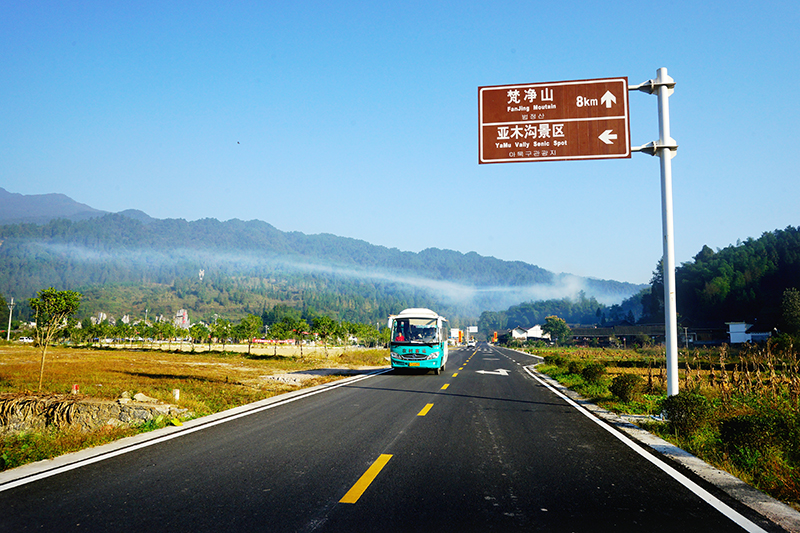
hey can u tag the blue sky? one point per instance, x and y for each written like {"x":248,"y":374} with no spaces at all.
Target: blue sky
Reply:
{"x":360,"y":119}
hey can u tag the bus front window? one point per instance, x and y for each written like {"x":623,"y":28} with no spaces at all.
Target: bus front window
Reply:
{"x":416,"y":330}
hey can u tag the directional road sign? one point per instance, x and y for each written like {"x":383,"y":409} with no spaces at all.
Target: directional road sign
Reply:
{"x":556,"y":121}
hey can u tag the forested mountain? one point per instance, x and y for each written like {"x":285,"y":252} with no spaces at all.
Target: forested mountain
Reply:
{"x":744,"y":282}
{"x":741,"y":283}
{"x":126,"y":263}
{"x":579,"y":310}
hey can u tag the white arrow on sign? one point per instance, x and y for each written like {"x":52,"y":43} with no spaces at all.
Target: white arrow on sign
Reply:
{"x":608,"y":137}
{"x":498,"y":372}
{"x":608,"y":99}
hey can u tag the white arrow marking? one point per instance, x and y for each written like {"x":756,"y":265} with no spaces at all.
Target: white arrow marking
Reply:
{"x":498,"y":372}
{"x":608,"y":99}
{"x":608,"y":137}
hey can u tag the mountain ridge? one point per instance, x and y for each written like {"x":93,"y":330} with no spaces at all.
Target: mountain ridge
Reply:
{"x":18,"y":208}
{"x":131,"y":247}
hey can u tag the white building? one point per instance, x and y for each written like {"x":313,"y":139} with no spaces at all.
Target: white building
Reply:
{"x":739,"y":333}
{"x":182,"y":319}
{"x":530,"y":334}
{"x":536,"y":333}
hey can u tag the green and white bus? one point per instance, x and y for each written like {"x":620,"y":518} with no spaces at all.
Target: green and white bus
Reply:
{"x":419,"y":340}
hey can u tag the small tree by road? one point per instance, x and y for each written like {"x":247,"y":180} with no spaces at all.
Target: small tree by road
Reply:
{"x":325,"y":327}
{"x":221,"y":330}
{"x":249,"y":327}
{"x":51,"y":309}
{"x":200,"y":333}
{"x":557,"y":328}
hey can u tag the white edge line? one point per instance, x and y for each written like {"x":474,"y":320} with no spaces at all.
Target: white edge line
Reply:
{"x":18,"y":477}
{"x":709,"y":498}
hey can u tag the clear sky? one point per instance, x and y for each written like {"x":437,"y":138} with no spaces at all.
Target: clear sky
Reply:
{"x":361,"y":119}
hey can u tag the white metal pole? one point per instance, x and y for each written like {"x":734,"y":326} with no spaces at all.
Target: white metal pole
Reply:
{"x":666,"y":153}
{"x":10,"y":312}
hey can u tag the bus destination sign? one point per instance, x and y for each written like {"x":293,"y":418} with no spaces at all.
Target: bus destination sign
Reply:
{"x":557,"y":121}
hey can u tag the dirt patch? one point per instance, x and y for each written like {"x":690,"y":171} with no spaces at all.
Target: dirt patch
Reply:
{"x":302,"y":376}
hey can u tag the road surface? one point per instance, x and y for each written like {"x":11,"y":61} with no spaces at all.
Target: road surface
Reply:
{"x":483,"y":447}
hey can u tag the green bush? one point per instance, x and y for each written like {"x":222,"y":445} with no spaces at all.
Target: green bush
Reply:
{"x":575,"y":367}
{"x":756,"y":431}
{"x":627,"y":387}
{"x":687,"y":411}
{"x":555,"y":360}
{"x":593,"y":372}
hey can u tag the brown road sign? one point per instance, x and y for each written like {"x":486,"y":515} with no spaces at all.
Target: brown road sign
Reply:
{"x":556,"y":121}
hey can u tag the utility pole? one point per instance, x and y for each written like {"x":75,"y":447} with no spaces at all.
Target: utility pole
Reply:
{"x":10,"y":312}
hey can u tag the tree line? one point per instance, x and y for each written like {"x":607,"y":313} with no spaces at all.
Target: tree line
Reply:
{"x":54,"y":319}
{"x":745,"y":282}
{"x":756,"y":281}
{"x":279,"y":324}
{"x":581,"y":310}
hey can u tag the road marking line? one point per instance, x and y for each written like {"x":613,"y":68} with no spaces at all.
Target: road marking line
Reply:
{"x":445,"y":386}
{"x":425,"y":410}
{"x":699,"y":491}
{"x":455,"y":374}
{"x":364,"y":481}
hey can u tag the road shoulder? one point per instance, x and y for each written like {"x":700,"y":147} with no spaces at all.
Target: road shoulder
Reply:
{"x":774,"y":510}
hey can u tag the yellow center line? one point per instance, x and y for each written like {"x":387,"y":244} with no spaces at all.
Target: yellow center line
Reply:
{"x":455,"y":374}
{"x":425,"y":410}
{"x":445,"y":386}
{"x":361,"y":485}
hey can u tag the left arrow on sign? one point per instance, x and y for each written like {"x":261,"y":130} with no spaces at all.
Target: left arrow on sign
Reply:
{"x":608,"y":137}
{"x":498,"y":372}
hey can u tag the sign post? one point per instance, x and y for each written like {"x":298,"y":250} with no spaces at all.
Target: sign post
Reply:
{"x":577,"y":120}
{"x":666,"y":148}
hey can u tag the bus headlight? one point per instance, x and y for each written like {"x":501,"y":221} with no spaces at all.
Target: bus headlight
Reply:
{"x":433,"y":355}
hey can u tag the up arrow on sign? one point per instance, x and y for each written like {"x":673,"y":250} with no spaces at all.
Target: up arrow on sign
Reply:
{"x":608,"y":99}
{"x":498,"y":372}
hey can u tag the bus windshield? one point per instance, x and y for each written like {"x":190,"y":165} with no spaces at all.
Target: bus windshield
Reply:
{"x":415,"y":330}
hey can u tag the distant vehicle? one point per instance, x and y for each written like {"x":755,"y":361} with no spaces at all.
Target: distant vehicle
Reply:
{"x":419,"y":340}
{"x":472,"y":343}
{"x":25,"y":339}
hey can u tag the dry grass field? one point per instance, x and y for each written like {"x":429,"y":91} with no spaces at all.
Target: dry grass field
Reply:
{"x":208,"y":382}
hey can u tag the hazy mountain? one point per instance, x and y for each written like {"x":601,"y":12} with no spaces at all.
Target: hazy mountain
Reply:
{"x":238,"y":259}
{"x":42,"y":208}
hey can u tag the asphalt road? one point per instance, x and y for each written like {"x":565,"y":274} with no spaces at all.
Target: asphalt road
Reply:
{"x":482,"y":447}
